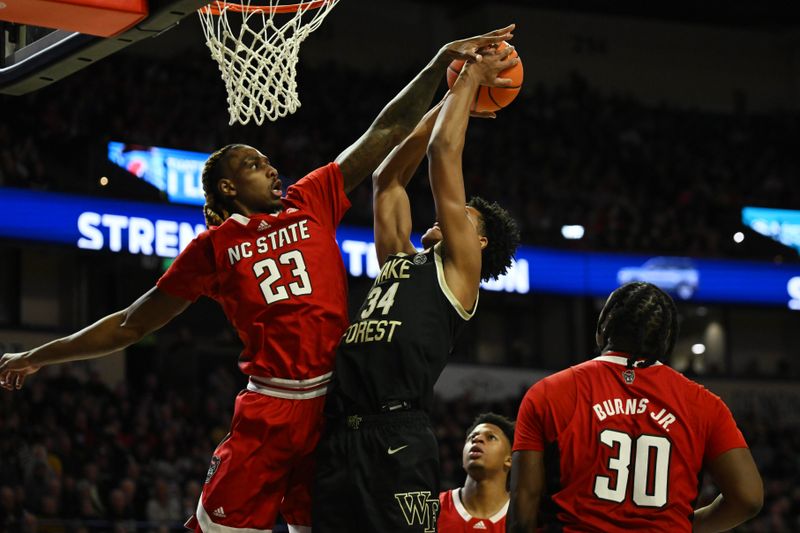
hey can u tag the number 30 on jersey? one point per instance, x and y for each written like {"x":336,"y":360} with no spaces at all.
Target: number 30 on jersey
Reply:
{"x":650,"y":470}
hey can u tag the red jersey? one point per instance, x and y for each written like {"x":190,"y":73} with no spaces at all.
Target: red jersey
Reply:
{"x":454,"y":518}
{"x":279,"y":278}
{"x":623,"y":448}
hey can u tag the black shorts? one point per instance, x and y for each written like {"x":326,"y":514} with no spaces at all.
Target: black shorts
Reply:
{"x":377,"y":474}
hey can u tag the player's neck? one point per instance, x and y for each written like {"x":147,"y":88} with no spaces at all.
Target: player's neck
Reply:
{"x":486,"y":497}
{"x":247,"y":211}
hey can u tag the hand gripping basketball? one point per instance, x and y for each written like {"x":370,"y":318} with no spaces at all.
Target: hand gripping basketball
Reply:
{"x":469,"y":48}
{"x":492,"y":96}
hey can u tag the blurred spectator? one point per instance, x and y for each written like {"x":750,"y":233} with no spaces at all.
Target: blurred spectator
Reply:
{"x":163,"y":507}
{"x":11,"y":512}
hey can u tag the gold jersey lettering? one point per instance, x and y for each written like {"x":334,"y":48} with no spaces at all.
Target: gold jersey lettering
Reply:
{"x":394,"y":269}
{"x":371,"y":331}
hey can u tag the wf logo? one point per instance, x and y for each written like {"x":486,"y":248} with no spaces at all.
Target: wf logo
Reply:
{"x":419,"y":509}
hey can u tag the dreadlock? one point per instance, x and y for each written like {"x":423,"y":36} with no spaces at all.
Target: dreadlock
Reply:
{"x":641,"y":320}
{"x":505,"y":425}
{"x":214,"y":210}
{"x":502,"y":233}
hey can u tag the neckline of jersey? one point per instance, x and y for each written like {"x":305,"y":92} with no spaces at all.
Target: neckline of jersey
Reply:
{"x":462,"y":510}
{"x":618,"y":358}
{"x":244,"y":221}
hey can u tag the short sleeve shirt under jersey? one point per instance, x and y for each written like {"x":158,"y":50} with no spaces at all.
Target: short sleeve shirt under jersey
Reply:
{"x":279,"y":278}
{"x":623,"y":448}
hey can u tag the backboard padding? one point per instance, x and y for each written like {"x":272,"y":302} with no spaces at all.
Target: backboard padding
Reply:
{"x":60,"y":53}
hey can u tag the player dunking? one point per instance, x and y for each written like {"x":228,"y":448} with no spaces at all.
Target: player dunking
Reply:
{"x":377,"y":464}
{"x":274,"y":266}
{"x":618,"y":443}
{"x":481,"y":504}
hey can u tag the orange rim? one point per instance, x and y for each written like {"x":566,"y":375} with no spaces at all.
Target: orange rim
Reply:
{"x":218,"y":6}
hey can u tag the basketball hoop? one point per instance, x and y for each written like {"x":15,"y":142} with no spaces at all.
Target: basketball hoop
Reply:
{"x":258,"y":61}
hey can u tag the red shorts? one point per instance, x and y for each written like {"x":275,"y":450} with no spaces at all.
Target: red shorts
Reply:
{"x":264,"y":466}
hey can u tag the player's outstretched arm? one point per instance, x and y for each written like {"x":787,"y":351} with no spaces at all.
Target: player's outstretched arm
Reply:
{"x":391,"y":207}
{"x":109,"y":334}
{"x":461,"y":241}
{"x":404,"y":111}
{"x":527,"y":485}
{"x":736,"y":475}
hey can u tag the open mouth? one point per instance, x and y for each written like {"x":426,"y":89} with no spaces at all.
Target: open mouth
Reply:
{"x":475,"y":452}
{"x":276,"y":189}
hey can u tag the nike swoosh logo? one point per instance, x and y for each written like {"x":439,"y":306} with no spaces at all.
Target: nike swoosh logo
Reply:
{"x":392,"y":451}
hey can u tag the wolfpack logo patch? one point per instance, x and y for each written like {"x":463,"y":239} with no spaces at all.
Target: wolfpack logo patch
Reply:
{"x":420,"y":259}
{"x":628,"y":375}
{"x":212,"y":469}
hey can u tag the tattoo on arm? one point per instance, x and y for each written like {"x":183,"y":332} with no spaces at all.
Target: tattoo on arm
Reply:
{"x":393,"y":123}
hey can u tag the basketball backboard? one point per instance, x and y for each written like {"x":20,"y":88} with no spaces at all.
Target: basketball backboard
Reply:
{"x":32,"y":57}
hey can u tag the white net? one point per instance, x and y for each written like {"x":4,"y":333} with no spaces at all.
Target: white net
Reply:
{"x":256,"y":48}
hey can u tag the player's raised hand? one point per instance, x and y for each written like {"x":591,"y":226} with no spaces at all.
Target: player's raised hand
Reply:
{"x":469,"y":48}
{"x":495,"y":60}
{"x":14,"y":368}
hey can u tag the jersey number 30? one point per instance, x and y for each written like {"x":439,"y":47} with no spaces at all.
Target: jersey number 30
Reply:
{"x":274,"y":292}
{"x":650,"y":470}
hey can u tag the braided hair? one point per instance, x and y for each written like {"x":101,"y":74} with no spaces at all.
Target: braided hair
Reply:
{"x":641,"y":320}
{"x":215,"y":211}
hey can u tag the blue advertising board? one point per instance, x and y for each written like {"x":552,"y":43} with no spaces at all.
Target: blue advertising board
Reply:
{"x":99,"y":224}
{"x":163,"y":230}
{"x":782,"y":225}
{"x":175,"y":172}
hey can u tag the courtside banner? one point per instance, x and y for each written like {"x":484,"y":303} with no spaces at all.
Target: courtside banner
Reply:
{"x":163,"y":230}
{"x":98,"y":223}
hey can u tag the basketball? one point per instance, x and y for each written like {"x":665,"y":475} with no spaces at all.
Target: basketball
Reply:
{"x":491,"y":98}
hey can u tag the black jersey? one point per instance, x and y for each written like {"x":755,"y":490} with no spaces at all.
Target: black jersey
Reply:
{"x":400,"y":339}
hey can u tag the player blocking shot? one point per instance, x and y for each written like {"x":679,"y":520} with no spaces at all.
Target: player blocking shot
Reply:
{"x":272,"y":262}
{"x":619,"y":443}
{"x":378,"y":461}
{"x":481,"y":504}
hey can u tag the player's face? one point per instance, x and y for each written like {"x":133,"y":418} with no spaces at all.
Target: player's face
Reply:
{"x":486,"y":450}
{"x":433,"y":234}
{"x":253,"y":184}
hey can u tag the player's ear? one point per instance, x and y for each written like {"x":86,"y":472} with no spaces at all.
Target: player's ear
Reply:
{"x":507,"y":462}
{"x":600,"y":332}
{"x":483,"y":240}
{"x":226,"y":187}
